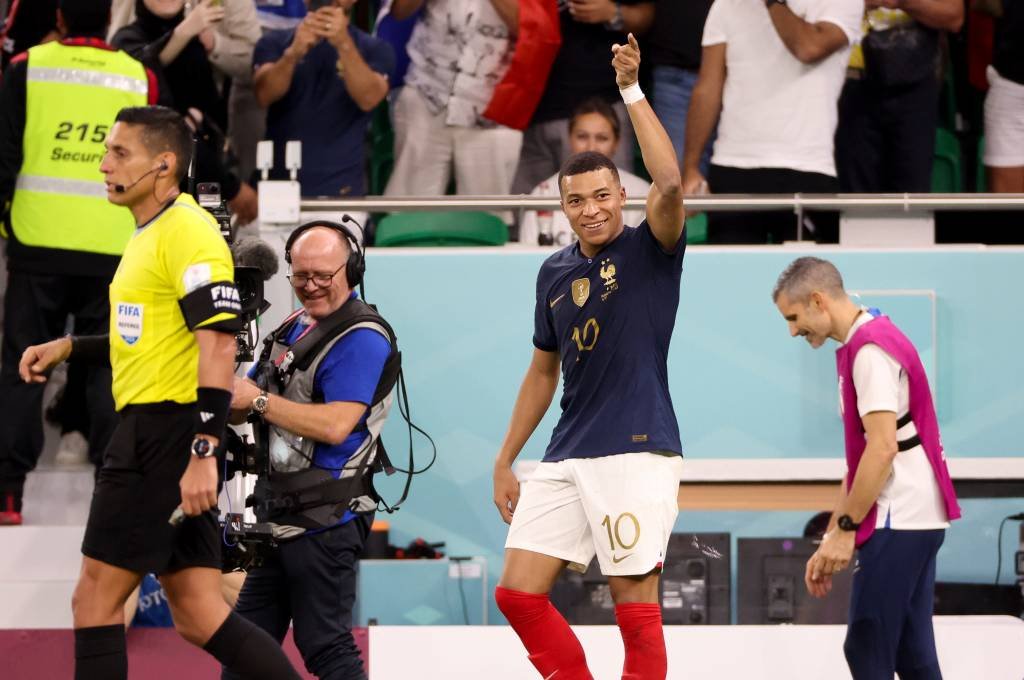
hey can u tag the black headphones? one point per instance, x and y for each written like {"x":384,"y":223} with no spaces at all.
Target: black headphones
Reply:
{"x":355,"y":267}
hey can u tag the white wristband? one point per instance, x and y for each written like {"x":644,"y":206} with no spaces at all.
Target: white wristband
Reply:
{"x":632,"y":94}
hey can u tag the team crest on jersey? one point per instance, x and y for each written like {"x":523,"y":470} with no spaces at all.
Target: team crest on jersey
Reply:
{"x":129,"y":322}
{"x":608,"y":274}
{"x":580,"y":291}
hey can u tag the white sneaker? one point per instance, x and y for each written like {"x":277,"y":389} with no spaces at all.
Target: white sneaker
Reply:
{"x":73,"y":450}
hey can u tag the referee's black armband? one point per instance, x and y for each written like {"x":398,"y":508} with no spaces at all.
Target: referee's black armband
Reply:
{"x":91,"y":349}
{"x":206,"y":302}
{"x":212,"y":407}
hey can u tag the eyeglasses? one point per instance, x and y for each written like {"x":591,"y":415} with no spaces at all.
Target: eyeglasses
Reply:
{"x":319,"y":280}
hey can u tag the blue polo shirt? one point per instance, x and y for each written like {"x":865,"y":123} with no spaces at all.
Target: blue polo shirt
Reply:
{"x":318,"y":111}
{"x":610,"y":318}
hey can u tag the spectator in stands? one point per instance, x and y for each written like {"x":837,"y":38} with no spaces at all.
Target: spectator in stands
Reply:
{"x":320,"y":81}
{"x":888,"y":111}
{"x":458,"y":52}
{"x":229,"y":45}
{"x":589,"y":29}
{"x":1004,"y":104}
{"x":675,"y":52}
{"x":29,"y":23}
{"x":175,"y":46}
{"x":774,"y":75}
{"x":280,"y":15}
{"x":594,"y":126}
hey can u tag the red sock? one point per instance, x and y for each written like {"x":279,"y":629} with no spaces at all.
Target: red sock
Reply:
{"x":644,"y":640}
{"x":554,"y":649}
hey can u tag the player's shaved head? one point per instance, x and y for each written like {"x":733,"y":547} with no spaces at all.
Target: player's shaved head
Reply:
{"x":806,"y":275}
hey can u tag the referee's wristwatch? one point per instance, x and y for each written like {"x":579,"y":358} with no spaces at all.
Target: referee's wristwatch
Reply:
{"x":202,"y":447}
{"x":846,"y":523}
{"x":259,"y":404}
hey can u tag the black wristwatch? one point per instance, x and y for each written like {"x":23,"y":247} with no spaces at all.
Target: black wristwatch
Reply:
{"x":202,"y":448}
{"x":769,"y":3}
{"x":846,"y":523}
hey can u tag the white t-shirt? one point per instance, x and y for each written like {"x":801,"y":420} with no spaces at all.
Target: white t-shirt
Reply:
{"x":911,"y":498}
{"x":776,"y":111}
{"x":560,"y":229}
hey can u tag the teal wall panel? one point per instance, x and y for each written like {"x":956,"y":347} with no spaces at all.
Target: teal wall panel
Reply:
{"x":742,"y":387}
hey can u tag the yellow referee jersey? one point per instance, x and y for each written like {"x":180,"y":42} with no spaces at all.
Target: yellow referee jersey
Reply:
{"x":176,"y":275}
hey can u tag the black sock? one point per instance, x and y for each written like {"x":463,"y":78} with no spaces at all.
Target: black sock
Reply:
{"x":248,"y":650}
{"x":100,"y":653}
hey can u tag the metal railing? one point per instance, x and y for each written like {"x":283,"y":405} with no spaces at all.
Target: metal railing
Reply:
{"x":795,"y":202}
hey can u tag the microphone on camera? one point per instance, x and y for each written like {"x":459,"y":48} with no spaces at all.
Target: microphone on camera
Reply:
{"x":120,"y":188}
{"x":256,"y":253}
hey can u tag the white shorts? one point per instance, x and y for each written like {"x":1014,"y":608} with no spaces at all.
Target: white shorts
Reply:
{"x":621,"y":507}
{"x":1004,"y":122}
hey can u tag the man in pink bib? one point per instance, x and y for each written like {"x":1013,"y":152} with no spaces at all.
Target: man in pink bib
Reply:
{"x":897,"y":498}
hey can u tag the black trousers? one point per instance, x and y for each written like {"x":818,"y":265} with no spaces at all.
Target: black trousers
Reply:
{"x":311,"y":582}
{"x":885,"y":141}
{"x":36,"y":308}
{"x":770,"y":227}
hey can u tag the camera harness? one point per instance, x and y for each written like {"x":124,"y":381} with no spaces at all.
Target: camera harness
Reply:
{"x":311,"y":497}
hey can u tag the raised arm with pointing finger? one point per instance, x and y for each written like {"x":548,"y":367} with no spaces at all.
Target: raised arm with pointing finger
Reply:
{"x":665,"y":201}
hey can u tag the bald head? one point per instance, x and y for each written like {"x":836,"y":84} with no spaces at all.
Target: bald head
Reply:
{"x":318,"y":260}
{"x":807,"y":275}
{"x":321,"y":241}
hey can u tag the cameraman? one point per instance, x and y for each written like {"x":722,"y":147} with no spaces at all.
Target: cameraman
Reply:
{"x":320,"y":426}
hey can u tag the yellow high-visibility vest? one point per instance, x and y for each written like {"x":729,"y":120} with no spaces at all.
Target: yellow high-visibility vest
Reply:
{"x":73,"y":95}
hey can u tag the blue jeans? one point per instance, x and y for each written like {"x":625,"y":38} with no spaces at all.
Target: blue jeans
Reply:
{"x":673,"y":88}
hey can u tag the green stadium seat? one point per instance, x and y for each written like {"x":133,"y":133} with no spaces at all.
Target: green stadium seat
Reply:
{"x":697,"y":229}
{"x":946,"y":174}
{"x":441,"y":229}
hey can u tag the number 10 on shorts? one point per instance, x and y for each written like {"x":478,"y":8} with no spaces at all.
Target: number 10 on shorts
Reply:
{"x":625,"y":526}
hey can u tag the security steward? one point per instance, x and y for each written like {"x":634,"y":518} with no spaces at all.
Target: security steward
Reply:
{"x":174,"y":314}
{"x":57,"y":104}
{"x":322,"y":391}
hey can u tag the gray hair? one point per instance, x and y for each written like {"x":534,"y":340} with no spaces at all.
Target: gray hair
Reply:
{"x":806,"y":275}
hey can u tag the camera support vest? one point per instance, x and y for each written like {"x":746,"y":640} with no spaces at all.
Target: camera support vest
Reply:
{"x":298,"y":493}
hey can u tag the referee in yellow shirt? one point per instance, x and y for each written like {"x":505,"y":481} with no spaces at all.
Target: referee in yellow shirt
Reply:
{"x":174,"y":313}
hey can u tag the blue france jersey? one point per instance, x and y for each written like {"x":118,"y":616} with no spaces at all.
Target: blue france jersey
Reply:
{"x":610,"y":318}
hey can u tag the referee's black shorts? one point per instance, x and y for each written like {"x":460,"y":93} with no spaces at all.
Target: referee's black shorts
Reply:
{"x":137,"y":490}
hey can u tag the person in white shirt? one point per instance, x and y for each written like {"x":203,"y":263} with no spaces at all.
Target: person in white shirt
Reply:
{"x":897,"y":498}
{"x":771,"y":74}
{"x":458,"y":51}
{"x":594,"y":126}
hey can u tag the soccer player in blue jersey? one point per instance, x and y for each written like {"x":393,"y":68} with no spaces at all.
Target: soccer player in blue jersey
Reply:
{"x":609,"y":482}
